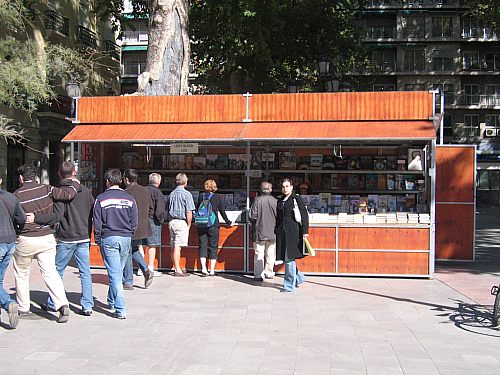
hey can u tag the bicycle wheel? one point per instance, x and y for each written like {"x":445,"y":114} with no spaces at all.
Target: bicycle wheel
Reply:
{"x":496,"y":310}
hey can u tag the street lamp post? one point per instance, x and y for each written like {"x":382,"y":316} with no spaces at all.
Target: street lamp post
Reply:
{"x":74,"y":91}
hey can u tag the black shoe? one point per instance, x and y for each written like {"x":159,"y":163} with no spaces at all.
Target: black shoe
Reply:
{"x":44,"y":307}
{"x":13,"y":311}
{"x":119,"y":316}
{"x":63,"y":314}
{"x":86,"y":312}
{"x":148,"y":278}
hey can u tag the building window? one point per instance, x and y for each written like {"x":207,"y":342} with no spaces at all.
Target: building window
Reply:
{"x":492,"y":121}
{"x":413,"y":27}
{"x":470,"y":60}
{"x":384,"y":61}
{"x":442,"y":60}
{"x":447,"y":126}
{"x":471,"y":125}
{"x":470,"y":27}
{"x":492,"y":96}
{"x":492,"y":61}
{"x":140,"y":34}
{"x":442,"y":27}
{"x":133,"y":65}
{"x":414,"y":59}
{"x":471,"y":94}
{"x":446,"y":89}
{"x":414,"y":87}
{"x":378,"y":32}
{"x":384,"y":87}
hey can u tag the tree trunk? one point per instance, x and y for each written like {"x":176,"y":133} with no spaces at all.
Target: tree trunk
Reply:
{"x":167,"y":64}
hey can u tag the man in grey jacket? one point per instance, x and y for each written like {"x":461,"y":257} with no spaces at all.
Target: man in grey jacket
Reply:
{"x":11,"y":218}
{"x":263,"y":217}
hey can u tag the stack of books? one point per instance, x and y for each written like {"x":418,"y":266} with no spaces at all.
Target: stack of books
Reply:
{"x":370,"y":219}
{"x":350,"y":219}
{"x":412,"y":218}
{"x":401,"y":218}
{"x":424,"y":218}
{"x":358,"y":218}
{"x":380,"y":218}
{"x":391,"y":218}
{"x":342,"y":218}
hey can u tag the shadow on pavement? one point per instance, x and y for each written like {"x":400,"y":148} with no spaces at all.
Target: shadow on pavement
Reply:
{"x":463,"y":315}
{"x":245,"y":279}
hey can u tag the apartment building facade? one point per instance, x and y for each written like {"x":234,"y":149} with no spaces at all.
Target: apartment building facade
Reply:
{"x":436,"y":44}
{"x":70,"y":23}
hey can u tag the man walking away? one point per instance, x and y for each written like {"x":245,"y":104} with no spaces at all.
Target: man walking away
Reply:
{"x":143,"y":231}
{"x":263,"y":216}
{"x":11,"y":218}
{"x":38,"y":241}
{"x":180,"y":207}
{"x":155,"y":222}
{"x":115,"y":221}
{"x":73,"y":236}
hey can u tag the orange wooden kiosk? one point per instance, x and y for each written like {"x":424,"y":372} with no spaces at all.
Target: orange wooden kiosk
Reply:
{"x":242,"y":139}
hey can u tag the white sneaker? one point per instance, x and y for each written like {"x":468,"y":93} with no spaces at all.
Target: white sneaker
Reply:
{"x":157,"y":273}
{"x":139,"y":272}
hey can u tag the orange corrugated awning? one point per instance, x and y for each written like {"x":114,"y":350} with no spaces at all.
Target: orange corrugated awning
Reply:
{"x":253,"y":131}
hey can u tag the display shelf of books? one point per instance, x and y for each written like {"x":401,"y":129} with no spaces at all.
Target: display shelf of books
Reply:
{"x":87,"y":167}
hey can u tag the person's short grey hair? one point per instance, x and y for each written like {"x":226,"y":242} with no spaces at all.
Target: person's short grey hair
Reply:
{"x":266,"y":187}
{"x":154,"y":178}
{"x":181,"y":179}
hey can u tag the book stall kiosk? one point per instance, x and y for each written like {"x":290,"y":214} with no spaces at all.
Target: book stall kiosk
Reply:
{"x":367,"y":159}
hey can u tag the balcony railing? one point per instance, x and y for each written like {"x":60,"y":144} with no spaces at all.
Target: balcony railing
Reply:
{"x":55,"y":21}
{"x":112,"y":49}
{"x":135,"y":36}
{"x":478,"y":33}
{"x":86,"y":37}
{"x":381,"y":32}
{"x":411,"y":3}
{"x":479,"y":100}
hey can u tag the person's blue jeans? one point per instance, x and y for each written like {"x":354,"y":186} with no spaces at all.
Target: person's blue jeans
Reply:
{"x":81,"y":251}
{"x":6,"y":251}
{"x":128,"y":272}
{"x":293,"y":277}
{"x":115,"y":251}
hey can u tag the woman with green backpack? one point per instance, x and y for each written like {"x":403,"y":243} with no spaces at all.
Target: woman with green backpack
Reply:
{"x":207,"y":224}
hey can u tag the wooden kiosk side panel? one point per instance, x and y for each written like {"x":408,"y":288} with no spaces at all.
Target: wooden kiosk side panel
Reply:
{"x":384,"y":263}
{"x":455,"y":202}
{"x":384,"y":238}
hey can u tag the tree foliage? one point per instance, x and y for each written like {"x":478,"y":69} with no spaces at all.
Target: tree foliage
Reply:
{"x":488,"y":11}
{"x":29,"y":68}
{"x":260,"y":45}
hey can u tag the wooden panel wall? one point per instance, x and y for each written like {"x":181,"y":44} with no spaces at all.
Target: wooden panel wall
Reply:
{"x":384,"y":263}
{"x":455,"y":206}
{"x":384,"y":238}
{"x":268,"y":107}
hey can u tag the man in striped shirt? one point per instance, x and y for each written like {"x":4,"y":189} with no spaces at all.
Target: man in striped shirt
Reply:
{"x":38,"y":242}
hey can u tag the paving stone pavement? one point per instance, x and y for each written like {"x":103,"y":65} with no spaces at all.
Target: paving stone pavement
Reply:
{"x":231,"y":325}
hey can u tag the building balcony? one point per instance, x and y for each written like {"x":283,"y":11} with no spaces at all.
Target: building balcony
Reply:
{"x":412,"y":3}
{"x":112,"y":49}
{"x":86,"y":37}
{"x":380,"y":32}
{"x":483,"y":101}
{"x":55,"y":21}
{"x":135,"y":37}
{"x":478,"y":33}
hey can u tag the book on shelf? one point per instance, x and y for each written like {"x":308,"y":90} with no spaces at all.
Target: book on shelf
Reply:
{"x":391,"y":218}
{"x":137,"y":161}
{"x":363,"y":205}
{"x":383,"y":203}
{"x":358,"y":218}
{"x":373,"y":203}
{"x":379,"y":163}
{"x":401,"y":203}
{"x":237,"y":161}
{"x":353,"y":163}
{"x":391,"y":163}
{"x":189,"y":162}
{"x":361,"y":182}
{"x":303,"y":162}
{"x":424,"y":218}
{"x":328,"y":162}
{"x":326,"y":181}
{"x":325,"y":198}
{"x":366,"y":163}
{"x":399,"y":182}
{"x":236,"y":181}
{"x":157,"y":162}
{"x":410,"y":182}
{"x":336,"y":200}
{"x":382,"y":182}
{"x":401,"y":218}
{"x":372,"y":181}
{"x":410,"y":202}
{"x":401,"y":164}
{"x":256,"y":160}
{"x":354,"y":204}
{"x":269,"y":159}
{"x":353,"y":181}
{"x":199,"y":162}
{"x":222,"y":162}
{"x":392,"y":203}
{"x":316,"y":161}
{"x":339,"y":181}
{"x":342,"y":217}
{"x":287,"y":160}
{"x":412,"y":218}
{"x":391,"y":183}
{"x":416,"y":159}
{"x":182,"y":161}
{"x":380,"y":218}
{"x":240,"y":199}
{"x":420,"y":184}
{"x":211,"y":161}
{"x":369,"y":219}
{"x":344,"y":207}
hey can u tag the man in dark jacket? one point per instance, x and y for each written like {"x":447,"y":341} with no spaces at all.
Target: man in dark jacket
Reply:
{"x":73,"y":236}
{"x":115,"y":221}
{"x":155,"y":222}
{"x":38,"y":241}
{"x":11,"y":218}
{"x":145,"y":211}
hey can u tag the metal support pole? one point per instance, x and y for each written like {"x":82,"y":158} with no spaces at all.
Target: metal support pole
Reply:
{"x":441,"y":121}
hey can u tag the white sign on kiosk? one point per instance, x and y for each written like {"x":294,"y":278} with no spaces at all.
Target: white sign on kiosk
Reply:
{"x":184,"y":148}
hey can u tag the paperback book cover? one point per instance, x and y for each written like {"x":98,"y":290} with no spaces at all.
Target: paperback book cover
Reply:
{"x":354,"y":204}
{"x":382,"y":182}
{"x":352,"y":181}
{"x":316,"y":161}
{"x":366,"y":163}
{"x":199,"y":162}
{"x":328,"y":162}
{"x":379,"y":163}
{"x":341,"y":164}
{"x":303,"y":162}
{"x":373,"y":203}
{"x":287,"y":160}
{"x":353,"y":163}
{"x":383,"y":202}
{"x":371,"y":181}
{"x":391,"y":163}
{"x":401,"y":203}
{"x":391,"y":185}
{"x":391,"y":203}
{"x":361,"y":182}
{"x":211,"y":161}
{"x":399,"y":182}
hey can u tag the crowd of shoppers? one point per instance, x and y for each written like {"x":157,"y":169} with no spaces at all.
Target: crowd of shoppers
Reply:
{"x":53,"y":225}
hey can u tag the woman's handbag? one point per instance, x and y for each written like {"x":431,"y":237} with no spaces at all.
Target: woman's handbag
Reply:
{"x":296,"y":212}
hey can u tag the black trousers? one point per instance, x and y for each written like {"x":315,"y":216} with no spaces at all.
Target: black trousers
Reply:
{"x":209,"y":242}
